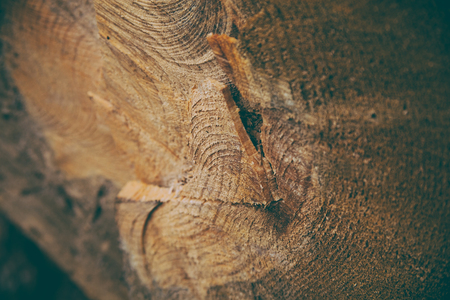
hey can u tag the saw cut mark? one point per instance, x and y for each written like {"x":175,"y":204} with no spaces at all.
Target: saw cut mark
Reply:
{"x":227,"y":166}
{"x":132,"y":216}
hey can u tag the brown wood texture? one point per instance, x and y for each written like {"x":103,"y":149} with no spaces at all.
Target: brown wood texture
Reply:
{"x":266,"y":149}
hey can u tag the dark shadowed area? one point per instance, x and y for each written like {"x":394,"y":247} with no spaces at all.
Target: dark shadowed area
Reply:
{"x":26,"y":273}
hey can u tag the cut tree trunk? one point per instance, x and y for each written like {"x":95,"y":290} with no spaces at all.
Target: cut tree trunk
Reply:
{"x":264,"y":149}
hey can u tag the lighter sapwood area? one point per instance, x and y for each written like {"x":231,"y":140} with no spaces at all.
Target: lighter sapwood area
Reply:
{"x":219,"y":225}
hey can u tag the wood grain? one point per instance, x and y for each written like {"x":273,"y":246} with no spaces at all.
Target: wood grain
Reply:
{"x":330,"y":181}
{"x":227,"y":166}
{"x":54,"y":57}
{"x":186,"y":246}
{"x":204,"y":233}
